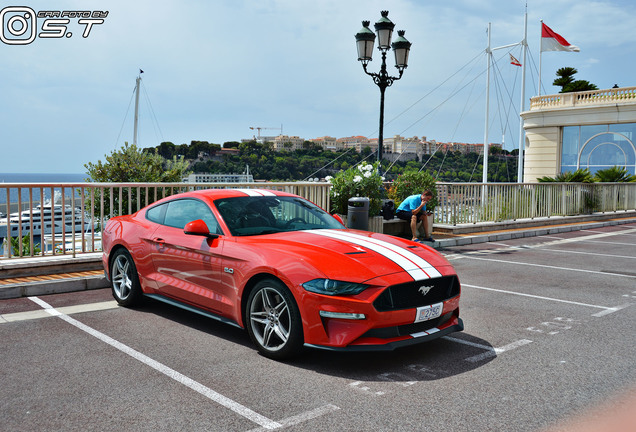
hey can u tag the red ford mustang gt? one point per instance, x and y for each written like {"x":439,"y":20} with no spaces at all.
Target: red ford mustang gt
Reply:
{"x":283,"y":268}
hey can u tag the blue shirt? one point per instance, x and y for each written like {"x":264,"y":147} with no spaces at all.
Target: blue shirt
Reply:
{"x":411,"y":203}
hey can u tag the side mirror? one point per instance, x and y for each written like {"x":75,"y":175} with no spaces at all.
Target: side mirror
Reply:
{"x":199,"y":228}
{"x":337,"y":217}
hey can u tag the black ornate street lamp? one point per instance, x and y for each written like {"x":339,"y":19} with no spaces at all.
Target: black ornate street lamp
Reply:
{"x":365,"y":39}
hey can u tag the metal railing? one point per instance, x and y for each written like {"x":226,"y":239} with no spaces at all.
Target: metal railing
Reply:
{"x":463,"y":203}
{"x":85,"y":207}
{"x":43,"y":219}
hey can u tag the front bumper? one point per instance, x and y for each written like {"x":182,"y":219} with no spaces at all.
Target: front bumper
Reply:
{"x":412,"y":339}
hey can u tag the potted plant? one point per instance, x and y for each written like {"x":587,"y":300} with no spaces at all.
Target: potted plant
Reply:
{"x":362,"y":180}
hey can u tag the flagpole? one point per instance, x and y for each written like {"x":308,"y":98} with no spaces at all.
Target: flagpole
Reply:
{"x":540,"y":57}
{"x":522,"y":138}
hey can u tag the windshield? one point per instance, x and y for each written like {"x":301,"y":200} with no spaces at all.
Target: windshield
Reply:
{"x":247,"y":216}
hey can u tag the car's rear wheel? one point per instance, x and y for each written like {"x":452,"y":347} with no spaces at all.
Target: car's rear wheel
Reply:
{"x":124,"y":279}
{"x":273,"y":320}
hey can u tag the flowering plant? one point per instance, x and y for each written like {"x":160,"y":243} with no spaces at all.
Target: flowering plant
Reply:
{"x":362,"y":180}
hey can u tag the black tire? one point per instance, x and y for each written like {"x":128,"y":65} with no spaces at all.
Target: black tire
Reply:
{"x":124,"y":280}
{"x":273,"y":320}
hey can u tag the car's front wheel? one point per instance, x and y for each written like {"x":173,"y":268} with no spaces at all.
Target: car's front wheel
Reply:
{"x":273,"y":320}
{"x":124,"y":279}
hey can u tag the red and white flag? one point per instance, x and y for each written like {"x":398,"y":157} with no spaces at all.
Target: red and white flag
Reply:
{"x":552,"y":41}
{"x":514,"y":61}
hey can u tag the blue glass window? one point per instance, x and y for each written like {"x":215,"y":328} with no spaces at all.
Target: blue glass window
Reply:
{"x":598,"y":147}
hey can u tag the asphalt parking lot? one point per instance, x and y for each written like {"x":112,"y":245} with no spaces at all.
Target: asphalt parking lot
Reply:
{"x":550,"y":337}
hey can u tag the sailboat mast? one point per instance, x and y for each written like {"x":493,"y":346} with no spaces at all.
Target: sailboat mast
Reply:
{"x":488,"y":56}
{"x":522,"y":135}
{"x":138,"y":81}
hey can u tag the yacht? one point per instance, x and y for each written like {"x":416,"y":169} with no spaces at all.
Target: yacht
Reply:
{"x":45,"y":219}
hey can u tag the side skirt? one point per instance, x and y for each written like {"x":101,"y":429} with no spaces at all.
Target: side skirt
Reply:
{"x":189,"y":308}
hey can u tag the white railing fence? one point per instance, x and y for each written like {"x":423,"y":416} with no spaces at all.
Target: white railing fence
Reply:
{"x":73,"y":223}
{"x":463,"y":203}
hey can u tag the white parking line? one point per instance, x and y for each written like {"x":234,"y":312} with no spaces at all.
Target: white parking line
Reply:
{"x":303,"y":417}
{"x":489,"y":351}
{"x":188,"y":382}
{"x":604,"y":273}
{"x":606,"y":309}
{"x":587,"y":253}
{"x":590,"y":237}
{"x":67,"y":310}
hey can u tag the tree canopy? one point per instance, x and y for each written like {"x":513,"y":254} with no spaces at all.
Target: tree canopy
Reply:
{"x":131,"y":164}
{"x":567,"y":82}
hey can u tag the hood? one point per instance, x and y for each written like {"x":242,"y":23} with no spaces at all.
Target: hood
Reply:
{"x":356,"y":256}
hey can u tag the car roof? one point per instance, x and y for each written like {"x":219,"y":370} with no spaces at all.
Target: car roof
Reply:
{"x":214,"y":194}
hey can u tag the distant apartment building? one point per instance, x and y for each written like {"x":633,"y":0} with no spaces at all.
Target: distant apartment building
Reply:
{"x":399,"y":144}
{"x":289,"y":143}
{"x":329,"y":143}
{"x":355,"y":142}
{"x":569,"y":131}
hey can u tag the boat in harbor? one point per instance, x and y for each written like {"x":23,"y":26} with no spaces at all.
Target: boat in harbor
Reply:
{"x":55,"y":219}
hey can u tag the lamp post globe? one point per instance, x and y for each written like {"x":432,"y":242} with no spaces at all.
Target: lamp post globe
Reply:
{"x":365,"y":40}
{"x":384,"y":29}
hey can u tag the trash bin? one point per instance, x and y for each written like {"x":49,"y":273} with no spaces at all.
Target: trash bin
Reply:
{"x":358,"y":213}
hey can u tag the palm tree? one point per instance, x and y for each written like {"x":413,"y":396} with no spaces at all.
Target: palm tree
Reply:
{"x":578,"y":176}
{"x":614,"y":175}
{"x":567,"y":83}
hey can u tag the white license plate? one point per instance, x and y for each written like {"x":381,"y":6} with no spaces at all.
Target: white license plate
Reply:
{"x":430,"y":312}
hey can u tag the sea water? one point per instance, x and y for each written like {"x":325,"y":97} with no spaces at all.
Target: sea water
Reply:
{"x":35,"y":178}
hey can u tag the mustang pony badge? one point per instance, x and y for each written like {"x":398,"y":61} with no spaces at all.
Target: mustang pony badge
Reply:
{"x":425,"y":289}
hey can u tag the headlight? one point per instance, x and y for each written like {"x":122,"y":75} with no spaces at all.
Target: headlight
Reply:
{"x":334,"y":287}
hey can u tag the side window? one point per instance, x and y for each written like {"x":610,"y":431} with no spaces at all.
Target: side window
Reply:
{"x":155,"y":214}
{"x":180,"y":212}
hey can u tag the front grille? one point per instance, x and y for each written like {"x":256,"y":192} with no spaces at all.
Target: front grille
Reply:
{"x":407,"y":329}
{"x":414,"y":294}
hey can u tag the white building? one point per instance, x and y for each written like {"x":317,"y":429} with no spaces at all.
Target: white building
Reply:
{"x":569,"y":131}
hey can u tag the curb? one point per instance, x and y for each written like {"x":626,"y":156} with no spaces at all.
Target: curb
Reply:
{"x":27,"y":289}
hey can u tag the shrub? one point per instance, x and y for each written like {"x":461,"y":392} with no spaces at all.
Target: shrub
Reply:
{"x":578,"y":176}
{"x":614,"y":175}
{"x":362,"y":180}
{"x":412,"y":183}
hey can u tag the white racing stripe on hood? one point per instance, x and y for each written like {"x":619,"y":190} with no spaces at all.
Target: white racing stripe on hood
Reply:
{"x":254,"y":192}
{"x":414,"y":265}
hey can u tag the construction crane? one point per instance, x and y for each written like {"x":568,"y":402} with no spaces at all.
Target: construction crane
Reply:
{"x":258,"y":128}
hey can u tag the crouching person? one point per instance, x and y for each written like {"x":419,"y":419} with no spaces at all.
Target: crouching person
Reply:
{"x":413,"y":210}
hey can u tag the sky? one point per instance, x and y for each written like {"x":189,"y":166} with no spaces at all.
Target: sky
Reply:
{"x":213,"y":69}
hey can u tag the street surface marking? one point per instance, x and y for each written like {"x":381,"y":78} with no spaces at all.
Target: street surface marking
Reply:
{"x":589,"y":253}
{"x":604,"y":273}
{"x":606,"y":310}
{"x":171,"y":373}
{"x":489,"y":351}
{"x":587,"y":238}
{"x":559,"y":241}
{"x":67,"y":310}
{"x":303,"y":417}
{"x":356,"y":385}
